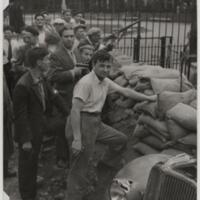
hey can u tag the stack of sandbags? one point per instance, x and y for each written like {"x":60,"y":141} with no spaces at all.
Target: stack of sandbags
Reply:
{"x":168,"y":123}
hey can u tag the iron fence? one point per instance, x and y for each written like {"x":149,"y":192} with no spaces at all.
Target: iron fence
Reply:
{"x":158,"y":39}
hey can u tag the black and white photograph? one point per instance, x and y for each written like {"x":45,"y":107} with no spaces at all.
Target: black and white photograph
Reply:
{"x":99,"y":99}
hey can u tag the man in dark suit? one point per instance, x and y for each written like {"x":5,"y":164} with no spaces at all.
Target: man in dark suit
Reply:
{"x":32,"y":101}
{"x":64,"y":74}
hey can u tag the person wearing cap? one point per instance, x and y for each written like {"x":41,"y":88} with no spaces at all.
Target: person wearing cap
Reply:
{"x":84,"y":126}
{"x":84,"y":53}
{"x":79,"y":33}
{"x":59,"y":24}
{"x":94,"y":38}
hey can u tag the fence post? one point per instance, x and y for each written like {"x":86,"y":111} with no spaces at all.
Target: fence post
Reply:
{"x":136,"y":56}
{"x":163,"y":49}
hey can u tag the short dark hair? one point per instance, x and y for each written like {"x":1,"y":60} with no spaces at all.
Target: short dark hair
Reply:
{"x":67,"y":10}
{"x":101,"y":55}
{"x":31,"y":30}
{"x":38,"y":15}
{"x":66,"y":28}
{"x":7,"y":28}
{"x":35,"y":54}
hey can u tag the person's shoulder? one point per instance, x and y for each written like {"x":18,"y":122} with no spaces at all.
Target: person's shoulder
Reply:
{"x":87,"y":79}
{"x":25,"y":80}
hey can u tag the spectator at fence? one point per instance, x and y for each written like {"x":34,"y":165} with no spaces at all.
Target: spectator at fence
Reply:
{"x":79,"y":33}
{"x":67,"y":16}
{"x":78,"y":18}
{"x":94,"y":38}
{"x":59,"y":24}
{"x":20,"y":61}
{"x":39,"y":25}
{"x":8,"y":50}
{"x":32,"y":100}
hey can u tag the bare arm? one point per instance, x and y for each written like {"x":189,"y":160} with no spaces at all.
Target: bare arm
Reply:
{"x":130,"y":93}
{"x":76,"y":125}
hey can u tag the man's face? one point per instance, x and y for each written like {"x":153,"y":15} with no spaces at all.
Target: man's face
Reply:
{"x":102,"y":69}
{"x":44,"y":64}
{"x":68,"y":38}
{"x":86,"y":55}
{"x":96,"y":37}
{"x":47,"y":19}
{"x":39,"y":21}
{"x":80,"y":33}
{"x":8,"y":34}
{"x":58,"y":26}
{"x":78,"y":17}
{"x":67,"y":16}
{"x":29,"y":38}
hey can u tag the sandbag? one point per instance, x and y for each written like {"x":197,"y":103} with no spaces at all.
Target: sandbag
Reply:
{"x":167,"y":100}
{"x":156,"y":133}
{"x":136,"y":70}
{"x":154,"y":142}
{"x":175,"y":130}
{"x":116,"y":115}
{"x":172,"y":152}
{"x":159,"y":126}
{"x":194,"y":104}
{"x":113,"y":96}
{"x":140,"y":131}
{"x":184,"y":115}
{"x":144,"y":149}
{"x":133,"y":82}
{"x":142,"y":84}
{"x":149,"y":92}
{"x":114,"y":73}
{"x":125,"y":103}
{"x":189,"y":140}
{"x":160,"y":85}
{"x":148,"y":108}
{"x":121,"y":80}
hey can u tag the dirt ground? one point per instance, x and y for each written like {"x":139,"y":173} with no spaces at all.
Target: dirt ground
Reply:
{"x":55,"y":187}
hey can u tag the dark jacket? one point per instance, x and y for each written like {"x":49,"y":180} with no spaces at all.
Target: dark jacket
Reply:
{"x":29,"y":113}
{"x":60,"y":75}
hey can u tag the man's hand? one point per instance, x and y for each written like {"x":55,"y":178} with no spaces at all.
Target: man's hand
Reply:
{"x":152,"y":98}
{"x":27,"y":146}
{"x":76,"y":147}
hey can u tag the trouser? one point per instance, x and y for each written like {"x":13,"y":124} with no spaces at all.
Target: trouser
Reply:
{"x":92,"y":130}
{"x":27,"y":171}
{"x":56,"y":126}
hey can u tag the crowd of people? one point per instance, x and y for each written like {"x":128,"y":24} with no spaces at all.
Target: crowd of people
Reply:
{"x":56,"y":82}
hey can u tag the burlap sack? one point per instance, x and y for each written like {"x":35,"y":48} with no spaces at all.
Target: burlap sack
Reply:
{"x":184,"y":115}
{"x":113,"y":96}
{"x":125,"y":103}
{"x":148,"y":108}
{"x":144,"y":149}
{"x":194,"y":104}
{"x":175,"y":130}
{"x":140,"y":131}
{"x":156,"y":133}
{"x":189,"y":140}
{"x":143,"y":84}
{"x":137,"y":70}
{"x":154,"y":142}
{"x":149,"y":92}
{"x":159,"y":126}
{"x":160,"y":85}
{"x":133,"y":82}
{"x":167,"y":100}
{"x":114,"y":74}
{"x":121,"y":80}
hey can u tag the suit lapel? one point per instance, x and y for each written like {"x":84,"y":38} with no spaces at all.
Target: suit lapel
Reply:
{"x":66,"y":58}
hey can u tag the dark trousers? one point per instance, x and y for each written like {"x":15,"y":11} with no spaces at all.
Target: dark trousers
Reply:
{"x":27,"y":171}
{"x":92,"y":130}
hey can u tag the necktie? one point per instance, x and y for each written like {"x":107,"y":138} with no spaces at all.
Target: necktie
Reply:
{"x":9,"y":50}
{"x":42,"y":94}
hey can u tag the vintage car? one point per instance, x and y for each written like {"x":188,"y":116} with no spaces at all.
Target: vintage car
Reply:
{"x":157,"y":177}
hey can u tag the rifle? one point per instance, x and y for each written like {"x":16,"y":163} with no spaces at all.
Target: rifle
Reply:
{"x":116,"y":35}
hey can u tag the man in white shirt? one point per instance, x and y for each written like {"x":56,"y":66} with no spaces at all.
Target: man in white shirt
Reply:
{"x":84,"y":126}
